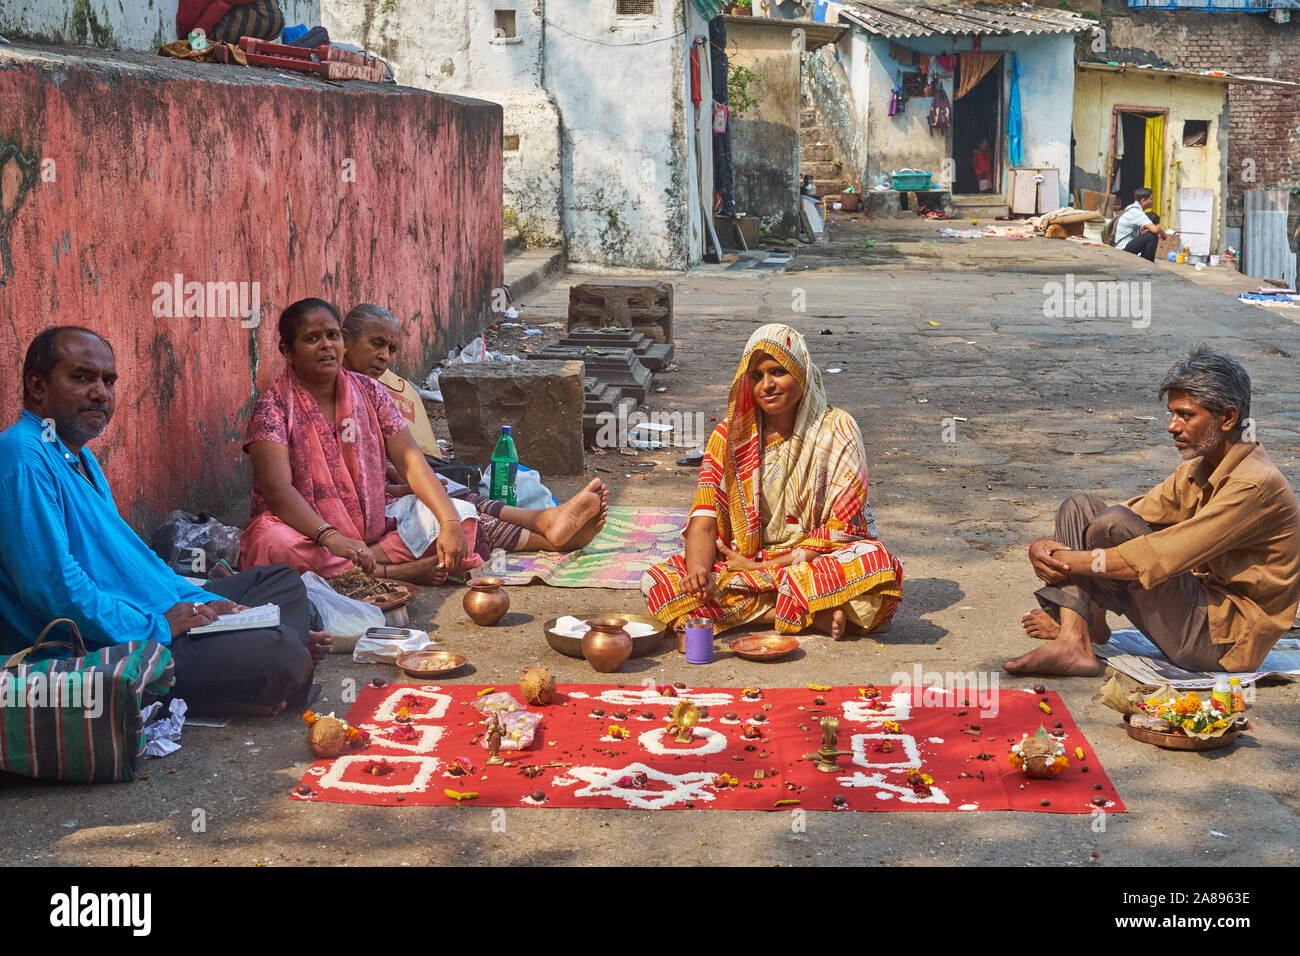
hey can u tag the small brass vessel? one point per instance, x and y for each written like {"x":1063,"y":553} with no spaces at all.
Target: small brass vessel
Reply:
{"x":486,"y":601}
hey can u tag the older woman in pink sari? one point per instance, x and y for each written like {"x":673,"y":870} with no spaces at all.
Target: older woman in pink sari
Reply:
{"x":319,"y":439}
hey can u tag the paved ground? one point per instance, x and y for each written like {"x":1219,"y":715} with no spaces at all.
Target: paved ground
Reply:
{"x":922,"y":330}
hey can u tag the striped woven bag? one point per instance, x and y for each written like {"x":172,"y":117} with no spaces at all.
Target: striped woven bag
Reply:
{"x":78,"y":718}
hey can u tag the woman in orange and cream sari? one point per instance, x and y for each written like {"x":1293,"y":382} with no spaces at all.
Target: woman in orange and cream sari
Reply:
{"x":781,"y":531}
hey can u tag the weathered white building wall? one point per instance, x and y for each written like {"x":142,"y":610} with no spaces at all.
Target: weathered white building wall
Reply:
{"x":113,"y":24}
{"x":597,"y":112}
{"x":904,"y":140}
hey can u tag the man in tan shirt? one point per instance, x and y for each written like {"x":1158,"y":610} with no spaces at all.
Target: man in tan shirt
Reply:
{"x":1207,"y":565}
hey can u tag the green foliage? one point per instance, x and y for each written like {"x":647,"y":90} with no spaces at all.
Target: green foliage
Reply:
{"x":740,"y":80}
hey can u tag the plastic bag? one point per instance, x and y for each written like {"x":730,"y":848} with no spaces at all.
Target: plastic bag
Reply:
{"x":499,"y":703}
{"x":193,"y":545}
{"x":519,"y":729}
{"x":342,"y":616}
{"x":529,"y":490}
{"x":384,"y":645}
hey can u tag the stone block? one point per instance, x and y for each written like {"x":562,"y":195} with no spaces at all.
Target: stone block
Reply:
{"x":644,"y":305}
{"x":613,"y":366}
{"x":541,"y":401}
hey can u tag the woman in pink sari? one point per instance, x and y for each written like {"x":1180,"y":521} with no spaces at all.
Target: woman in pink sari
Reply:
{"x":319,"y":440}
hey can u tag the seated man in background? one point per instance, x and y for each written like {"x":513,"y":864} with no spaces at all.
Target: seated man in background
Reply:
{"x":1137,"y":230}
{"x":1207,"y":565}
{"x":370,"y":337}
{"x":66,"y":552}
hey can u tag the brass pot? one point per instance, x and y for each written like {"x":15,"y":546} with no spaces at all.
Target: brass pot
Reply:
{"x":486,"y":601}
{"x":606,"y":645}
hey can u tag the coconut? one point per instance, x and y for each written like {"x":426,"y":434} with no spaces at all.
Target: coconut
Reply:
{"x":537,"y":685}
{"x":1039,"y":752}
{"x":327,"y":737}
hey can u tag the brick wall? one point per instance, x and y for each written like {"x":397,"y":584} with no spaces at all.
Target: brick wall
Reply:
{"x":1263,"y":122}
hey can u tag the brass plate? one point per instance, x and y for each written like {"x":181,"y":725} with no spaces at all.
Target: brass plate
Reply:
{"x":1180,"y":741}
{"x":764,"y":647}
{"x":425,"y":664}
{"x":390,"y":601}
{"x":572,"y":646}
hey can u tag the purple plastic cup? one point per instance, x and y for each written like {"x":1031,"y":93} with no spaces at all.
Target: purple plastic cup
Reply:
{"x":699,"y":641}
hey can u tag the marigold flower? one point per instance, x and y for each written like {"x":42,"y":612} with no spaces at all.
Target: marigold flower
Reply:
{"x":617,"y":732}
{"x":309,"y":717}
{"x":891,"y":726}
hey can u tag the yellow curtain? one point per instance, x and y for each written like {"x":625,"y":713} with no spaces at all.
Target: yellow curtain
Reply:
{"x":1155,"y":162}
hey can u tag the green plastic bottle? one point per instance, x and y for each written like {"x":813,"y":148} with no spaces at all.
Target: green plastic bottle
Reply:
{"x":505,"y":468}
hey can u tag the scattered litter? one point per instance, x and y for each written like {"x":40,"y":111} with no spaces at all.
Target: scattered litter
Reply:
{"x":1087,"y":411}
{"x":958,"y":418}
{"x":934,"y":323}
{"x":967,"y":607}
{"x":825,"y":332}
{"x":509,"y":325}
{"x":923,"y":401}
{"x":68,"y":824}
{"x":163,"y":736}
{"x":962,"y":233}
{"x":1217,"y":833}
{"x":662,"y":388}
{"x":532,"y":331}
{"x":832,"y":371}
{"x":971,"y":342}
{"x":512,"y":313}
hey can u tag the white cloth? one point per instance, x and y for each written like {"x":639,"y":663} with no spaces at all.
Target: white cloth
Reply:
{"x":416,"y":524}
{"x":569,"y":626}
{"x":1131,"y":221}
{"x":386,"y":644}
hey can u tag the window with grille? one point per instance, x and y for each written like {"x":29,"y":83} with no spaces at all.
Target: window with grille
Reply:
{"x":635,"y":8}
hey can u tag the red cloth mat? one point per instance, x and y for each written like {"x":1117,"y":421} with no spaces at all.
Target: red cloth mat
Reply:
{"x":941,"y":733}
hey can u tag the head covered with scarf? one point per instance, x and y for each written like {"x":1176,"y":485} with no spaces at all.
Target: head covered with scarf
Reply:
{"x":814,"y":483}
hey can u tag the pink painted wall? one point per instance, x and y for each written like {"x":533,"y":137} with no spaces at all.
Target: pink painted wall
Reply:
{"x":118,"y":171}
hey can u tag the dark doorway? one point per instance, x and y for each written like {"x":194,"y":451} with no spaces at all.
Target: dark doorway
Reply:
{"x":976,"y":120}
{"x":1131,"y":162}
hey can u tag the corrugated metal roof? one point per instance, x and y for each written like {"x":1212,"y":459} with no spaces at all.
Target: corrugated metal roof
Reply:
{"x":1216,"y":76}
{"x":894,"y":18}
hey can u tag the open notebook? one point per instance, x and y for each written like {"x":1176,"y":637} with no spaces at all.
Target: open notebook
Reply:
{"x":250,"y":619}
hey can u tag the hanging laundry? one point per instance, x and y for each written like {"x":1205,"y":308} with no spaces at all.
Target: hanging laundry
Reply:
{"x":719,"y":117}
{"x":947,"y":63}
{"x":940,"y":110}
{"x":923,"y":61}
{"x":696,"y":93}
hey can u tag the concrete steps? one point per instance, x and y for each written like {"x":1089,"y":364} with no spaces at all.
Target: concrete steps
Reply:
{"x":526,"y":269}
{"x":818,"y":170}
{"x":815,"y":151}
{"x":830,"y":187}
{"x":979,"y":206}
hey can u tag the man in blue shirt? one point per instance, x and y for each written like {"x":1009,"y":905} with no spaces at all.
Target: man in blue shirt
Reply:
{"x":66,"y":552}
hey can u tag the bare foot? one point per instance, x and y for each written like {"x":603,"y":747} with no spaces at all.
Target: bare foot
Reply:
{"x":318,"y":643}
{"x":572,"y":525}
{"x":426,"y":570}
{"x":833,"y":622}
{"x":1041,"y":625}
{"x":1059,"y":658}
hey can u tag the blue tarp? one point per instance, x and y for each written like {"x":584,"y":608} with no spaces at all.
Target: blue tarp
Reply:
{"x":1015,"y":145}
